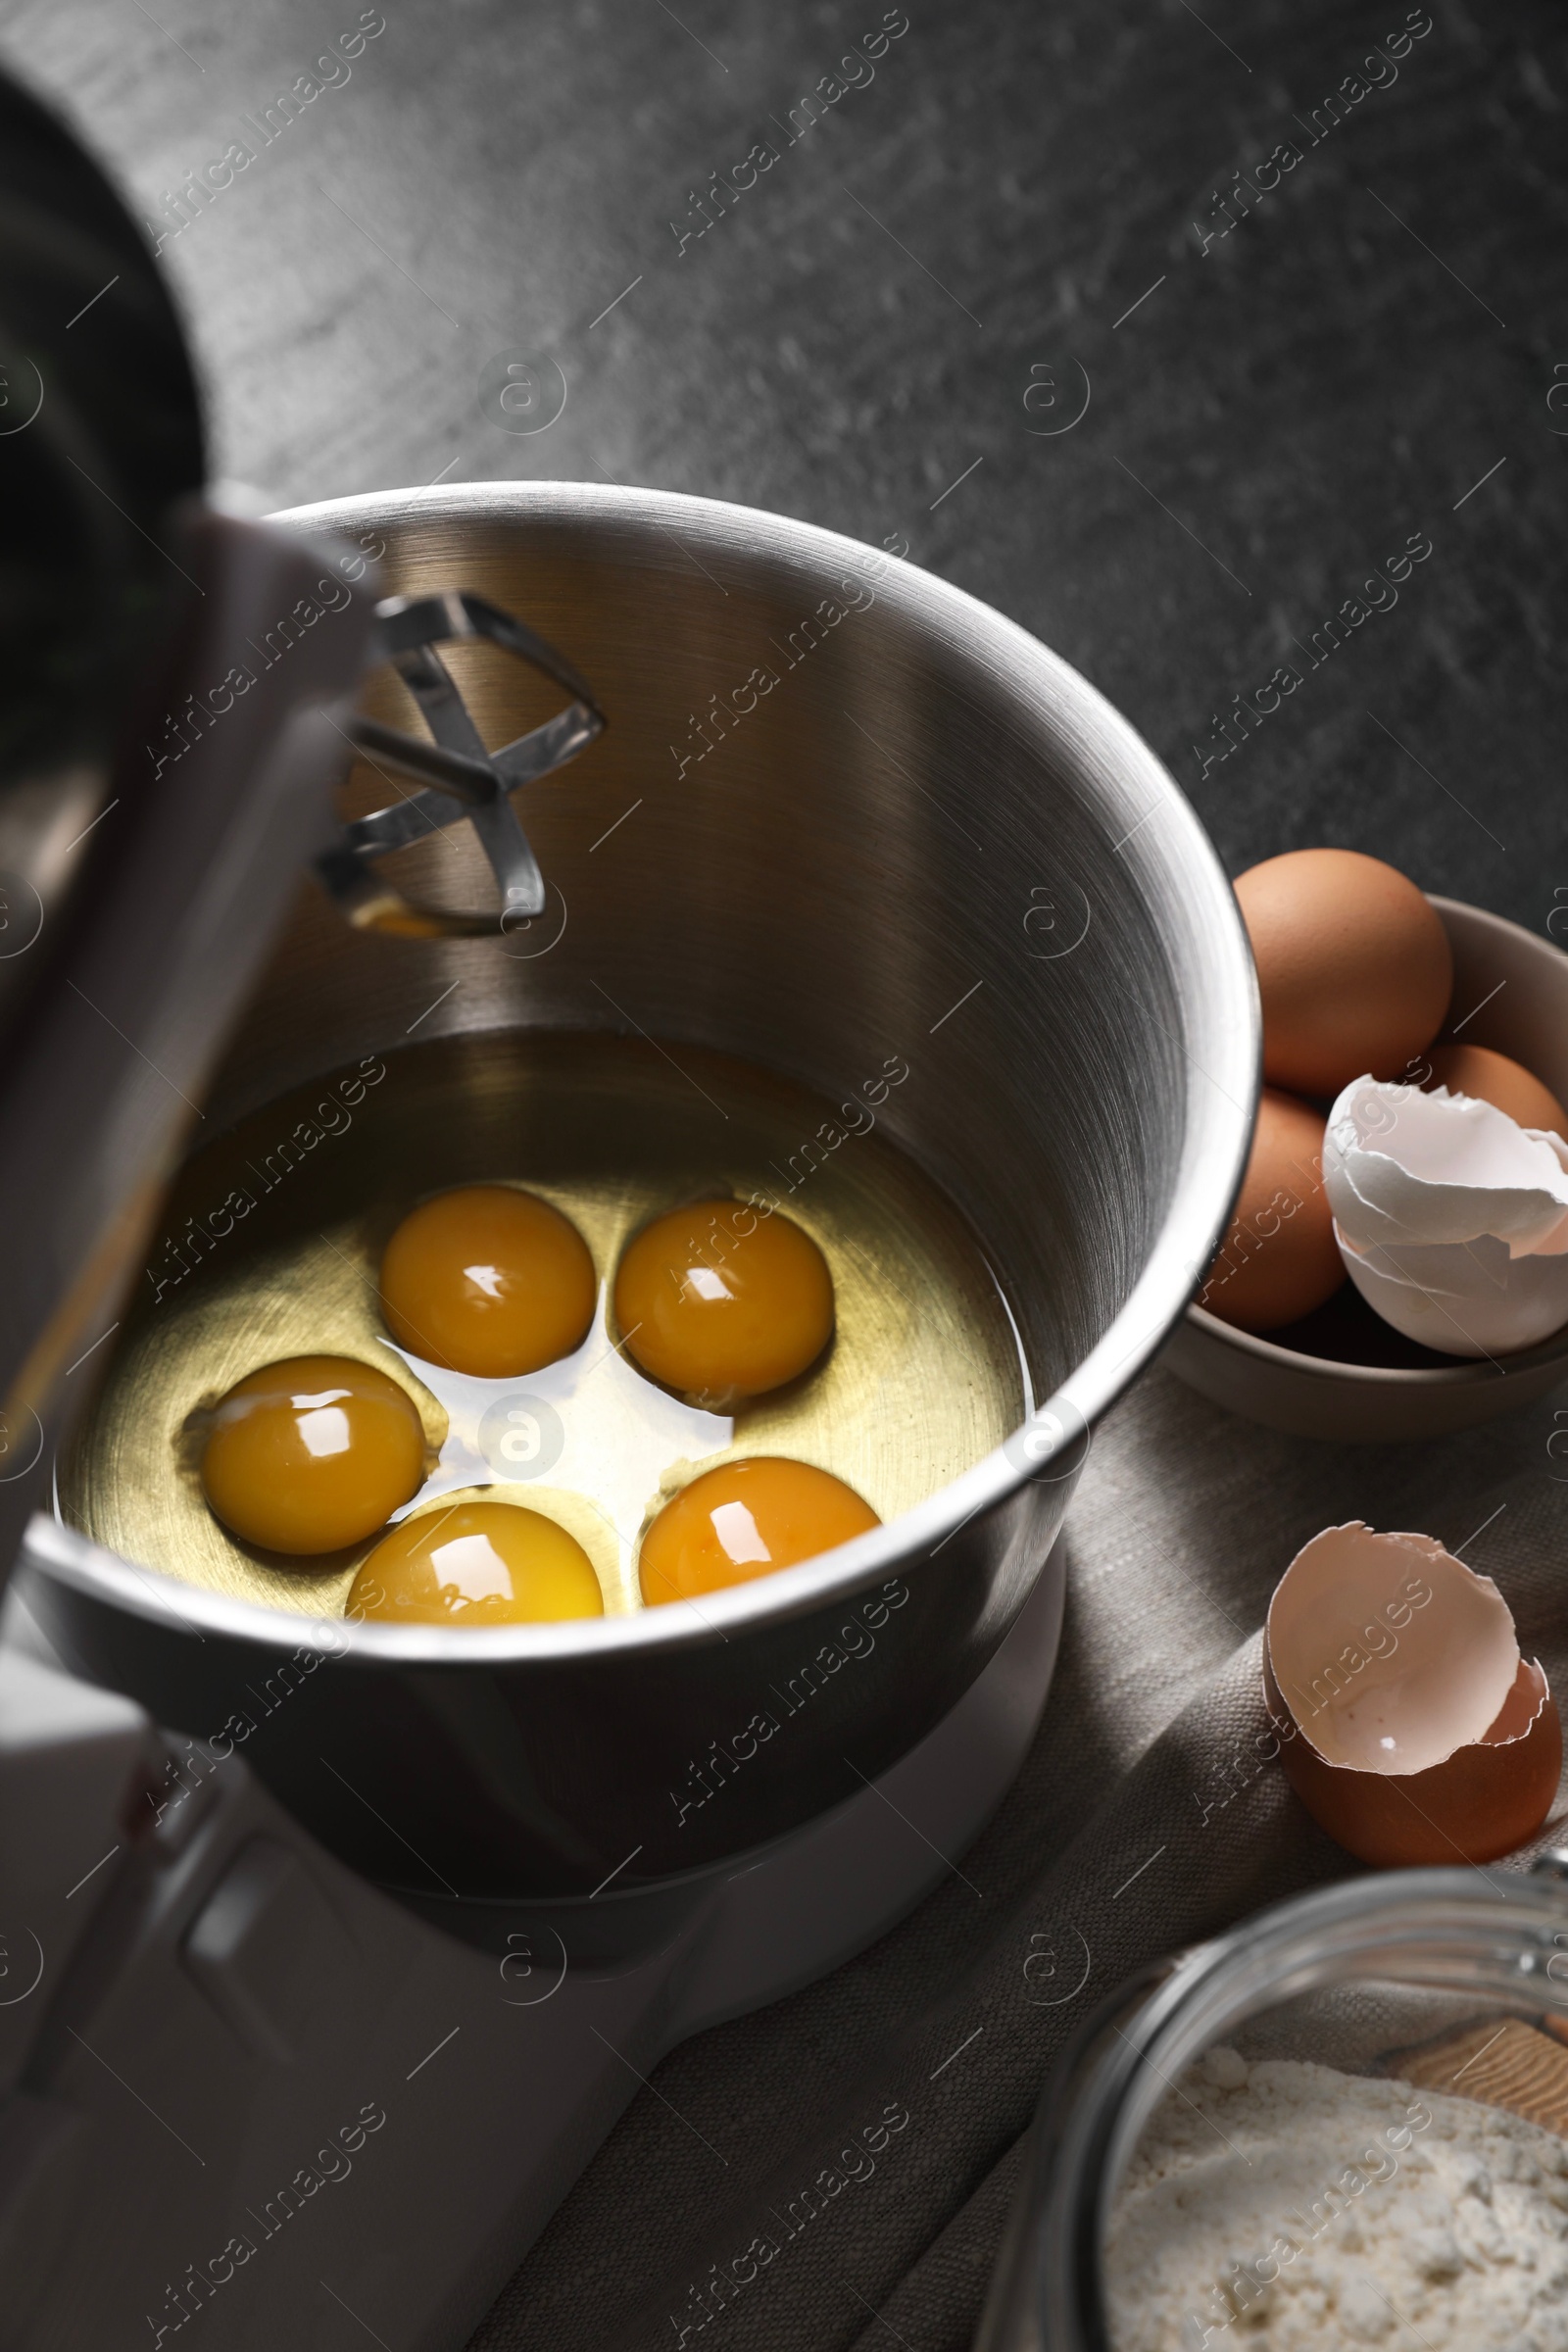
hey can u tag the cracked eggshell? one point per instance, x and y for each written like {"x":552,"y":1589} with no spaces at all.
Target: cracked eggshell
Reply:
{"x":1451,"y":1218}
{"x":1411,"y":1728}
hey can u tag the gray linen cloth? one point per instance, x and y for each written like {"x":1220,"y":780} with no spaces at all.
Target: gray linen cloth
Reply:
{"x":869,"y":2126}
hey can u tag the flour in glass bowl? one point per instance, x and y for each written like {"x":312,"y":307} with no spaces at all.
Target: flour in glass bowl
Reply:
{"x":1284,"y":2207}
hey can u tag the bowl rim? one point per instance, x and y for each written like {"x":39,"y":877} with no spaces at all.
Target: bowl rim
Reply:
{"x":1028,"y":671}
{"x":1464,"y":1371}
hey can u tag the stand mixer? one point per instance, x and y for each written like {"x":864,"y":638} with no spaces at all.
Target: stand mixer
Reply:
{"x":306,"y":2029}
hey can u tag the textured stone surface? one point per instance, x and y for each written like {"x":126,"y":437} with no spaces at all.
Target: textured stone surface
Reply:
{"x":858,"y":329}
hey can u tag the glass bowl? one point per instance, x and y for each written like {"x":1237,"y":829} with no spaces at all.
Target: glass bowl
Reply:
{"x":1391,"y":1976}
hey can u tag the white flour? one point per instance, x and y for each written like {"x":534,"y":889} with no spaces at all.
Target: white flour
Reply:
{"x":1290,"y":2208}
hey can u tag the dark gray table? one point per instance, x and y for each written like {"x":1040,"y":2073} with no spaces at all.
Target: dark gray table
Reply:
{"x":1023,"y":206}
{"x":1136,"y":330}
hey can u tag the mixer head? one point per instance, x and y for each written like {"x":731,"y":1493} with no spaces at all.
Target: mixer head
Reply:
{"x":154,"y":825}
{"x":100,"y":443}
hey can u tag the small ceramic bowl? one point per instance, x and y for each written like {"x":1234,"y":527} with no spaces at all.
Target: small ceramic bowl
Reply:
{"x":1343,"y":1373}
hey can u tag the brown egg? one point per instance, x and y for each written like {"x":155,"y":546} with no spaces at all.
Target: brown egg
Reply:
{"x":1279,"y":1258}
{"x":1354,"y":966}
{"x":1493,"y":1078}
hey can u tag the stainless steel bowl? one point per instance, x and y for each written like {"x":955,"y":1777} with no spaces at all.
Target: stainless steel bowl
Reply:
{"x":928,"y":838}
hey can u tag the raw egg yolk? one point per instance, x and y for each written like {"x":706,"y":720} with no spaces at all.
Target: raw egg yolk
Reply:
{"x":717,"y":1301}
{"x":488,"y":1280}
{"x":477,"y":1564}
{"x":746,"y":1519}
{"x":312,"y":1453}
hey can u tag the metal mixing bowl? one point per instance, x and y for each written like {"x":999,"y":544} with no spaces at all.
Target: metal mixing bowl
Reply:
{"x":928,"y":838}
